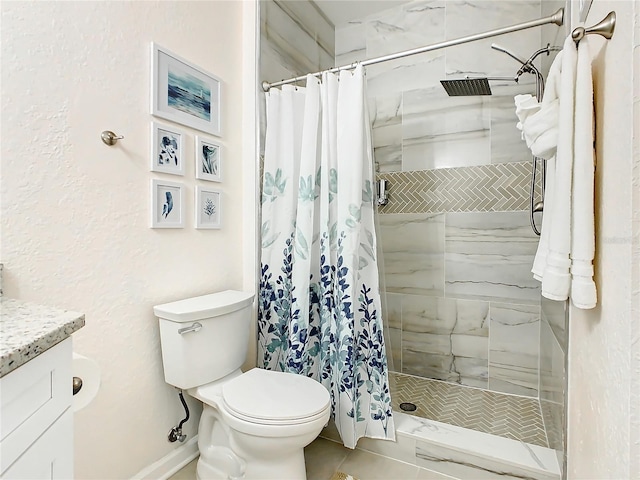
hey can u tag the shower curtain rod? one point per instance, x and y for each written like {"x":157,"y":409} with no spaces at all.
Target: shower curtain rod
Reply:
{"x":556,"y":18}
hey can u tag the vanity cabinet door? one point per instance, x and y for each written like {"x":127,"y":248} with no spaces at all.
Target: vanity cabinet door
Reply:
{"x":50,"y":457}
{"x":36,"y":423}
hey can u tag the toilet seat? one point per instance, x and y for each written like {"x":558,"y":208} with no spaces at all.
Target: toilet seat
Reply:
{"x":275,"y":398}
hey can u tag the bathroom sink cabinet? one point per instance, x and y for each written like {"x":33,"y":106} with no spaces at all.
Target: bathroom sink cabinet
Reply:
{"x":36,"y":419}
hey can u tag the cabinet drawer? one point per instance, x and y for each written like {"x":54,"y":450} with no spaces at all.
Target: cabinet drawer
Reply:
{"x":32,"y":397}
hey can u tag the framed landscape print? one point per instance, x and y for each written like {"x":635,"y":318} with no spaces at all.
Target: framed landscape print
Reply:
{"x":184,"y":93}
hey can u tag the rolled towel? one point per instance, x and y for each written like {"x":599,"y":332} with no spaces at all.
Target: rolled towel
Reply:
{"x":542,"y":131}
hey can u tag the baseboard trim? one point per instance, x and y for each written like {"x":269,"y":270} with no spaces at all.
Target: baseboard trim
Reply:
{"x":170,"y":463}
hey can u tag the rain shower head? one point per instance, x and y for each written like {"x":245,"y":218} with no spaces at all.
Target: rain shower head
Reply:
{"x":466,"y":87}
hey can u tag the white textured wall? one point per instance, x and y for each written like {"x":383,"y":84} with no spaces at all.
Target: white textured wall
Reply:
{"x":604,"y":343}
{"x":75,"y":213}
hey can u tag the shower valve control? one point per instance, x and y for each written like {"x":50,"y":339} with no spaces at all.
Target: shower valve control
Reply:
{"x":382,"y":192}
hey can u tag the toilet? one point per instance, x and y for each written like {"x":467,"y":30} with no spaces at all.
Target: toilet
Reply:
{"x":254,"y":425}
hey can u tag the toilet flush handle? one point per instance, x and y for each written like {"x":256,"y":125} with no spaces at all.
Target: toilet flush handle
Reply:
{"x":193,"y":328}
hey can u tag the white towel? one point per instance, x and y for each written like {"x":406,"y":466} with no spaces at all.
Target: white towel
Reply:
{"x":560,"y":129}
{"x":547,"y":123}
{"x":583,"y":288}
{"x":556,"y":279}
{"x":539,"y":124}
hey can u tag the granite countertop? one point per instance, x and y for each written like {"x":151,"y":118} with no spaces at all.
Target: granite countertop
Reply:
{"x":28,"y":329}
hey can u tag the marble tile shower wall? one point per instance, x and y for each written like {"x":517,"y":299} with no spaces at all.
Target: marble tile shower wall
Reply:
{"x":462,"y":304}
{"x":416,"y":125}
{"x":296,"y":38}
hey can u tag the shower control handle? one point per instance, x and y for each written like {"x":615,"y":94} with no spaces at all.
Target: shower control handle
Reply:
{"x":193,"y":328}
{"x":382,"y":192}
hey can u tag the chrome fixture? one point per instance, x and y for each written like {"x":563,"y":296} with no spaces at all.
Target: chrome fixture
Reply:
{"x":110,"y":138}
{"x":472,"y":86}
{"x":527,"y":66}
{"x":605,"y":28}
{"x":467,"y":87}
{"x":504,"y":50}
{"x":382,"y":192}
{"x":77,"y":384}
{"x":193,"y":328}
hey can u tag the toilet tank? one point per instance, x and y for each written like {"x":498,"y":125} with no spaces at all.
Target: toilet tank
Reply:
{"x":214,"y":338}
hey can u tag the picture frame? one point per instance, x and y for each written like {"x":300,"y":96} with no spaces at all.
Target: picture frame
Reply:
{"x":167,"y":149}
{"x":208,"y":159}
{"x":183,"y":92}
{"x":208,"y":208}
{"x":167,"y":204}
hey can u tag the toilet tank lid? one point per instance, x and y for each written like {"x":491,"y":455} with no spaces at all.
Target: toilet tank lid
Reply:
{"x":204,"y":306}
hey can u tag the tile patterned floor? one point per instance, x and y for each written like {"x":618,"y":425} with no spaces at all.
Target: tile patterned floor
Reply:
{"x":518,"y":418}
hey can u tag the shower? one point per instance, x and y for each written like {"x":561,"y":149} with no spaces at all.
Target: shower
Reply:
{"x":462,"y":320}
{"x":462,"y":311}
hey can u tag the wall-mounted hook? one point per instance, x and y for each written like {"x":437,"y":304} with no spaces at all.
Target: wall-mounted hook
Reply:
{"x":110,"y":138}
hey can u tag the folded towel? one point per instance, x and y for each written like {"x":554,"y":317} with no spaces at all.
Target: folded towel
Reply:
{"x":583,"y":288}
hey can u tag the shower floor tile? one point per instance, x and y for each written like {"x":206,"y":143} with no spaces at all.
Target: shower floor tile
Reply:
{"x":518,"y":418}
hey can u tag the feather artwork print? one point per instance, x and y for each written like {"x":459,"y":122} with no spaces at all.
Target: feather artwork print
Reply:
{"x":168,"y":205}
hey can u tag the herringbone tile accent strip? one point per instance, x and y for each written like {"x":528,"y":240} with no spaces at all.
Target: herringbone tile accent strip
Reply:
{"x":518,"y":418}
{"x":483,"y":188}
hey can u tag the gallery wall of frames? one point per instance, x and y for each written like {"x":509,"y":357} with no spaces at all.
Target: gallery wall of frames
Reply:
{"x":186,"y":96}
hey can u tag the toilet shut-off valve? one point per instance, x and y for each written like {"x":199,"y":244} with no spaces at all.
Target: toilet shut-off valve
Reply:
{"x":176,"y":434}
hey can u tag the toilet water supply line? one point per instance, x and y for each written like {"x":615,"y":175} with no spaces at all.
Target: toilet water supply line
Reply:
{"x":176,"y":432}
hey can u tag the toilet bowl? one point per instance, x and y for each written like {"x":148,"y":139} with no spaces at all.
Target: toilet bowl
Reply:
{"x":265,"y":419}
{"x":254,"y":425}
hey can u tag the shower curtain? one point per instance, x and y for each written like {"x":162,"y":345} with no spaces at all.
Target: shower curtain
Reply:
{"x":319,"y":311}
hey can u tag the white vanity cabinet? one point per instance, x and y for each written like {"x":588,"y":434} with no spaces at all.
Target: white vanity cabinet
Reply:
{"x":36,"y":419}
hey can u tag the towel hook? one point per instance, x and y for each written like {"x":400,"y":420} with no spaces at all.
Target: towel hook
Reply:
{"x":605,"y":28}
{"x":110,"y":138}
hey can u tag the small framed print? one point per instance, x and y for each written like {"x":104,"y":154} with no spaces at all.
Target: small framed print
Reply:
{"x":167,"y":149}
{"x":208,"y":159}
{"x":167,"y":204}
{"x":208,"y":208}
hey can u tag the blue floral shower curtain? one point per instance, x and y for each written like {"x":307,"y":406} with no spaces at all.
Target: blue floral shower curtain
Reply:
{"x":319,"y":311}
